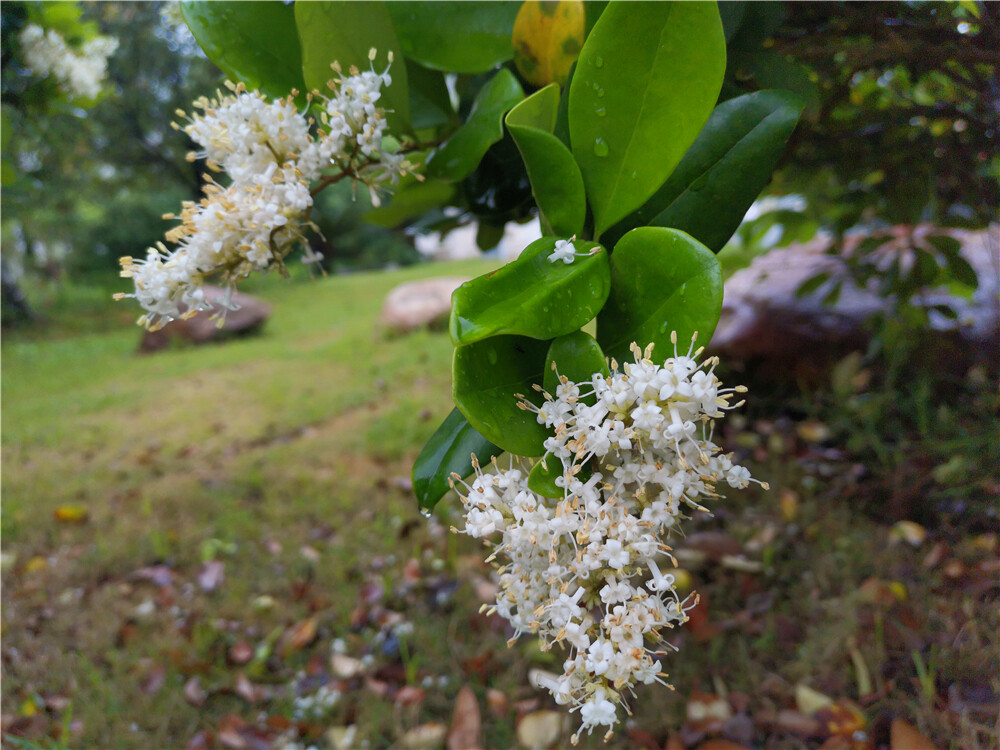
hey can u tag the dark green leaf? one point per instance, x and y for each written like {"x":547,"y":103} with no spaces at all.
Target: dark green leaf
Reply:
{"x":256,"y":43}
{"x":488,"y":235}
{"x":555,"y":178}
{"x":831,"y":297}
{"x":732,"y":14}
{"x":486,"y":376}
{"x":577,"y":356}
{"x":722,"y":173}
{"x":459,"y":157}
{"x":811,"y":284}
{"x":532,"y":296}
{"x":944,"y":244}
{"x":461,"y":37}
{"x":662,"y":280}
{"x":543,"y":475}
{"x":430,"y":103}
{"x":962,"y":271}
{"x":771,"y":70}
{"x":645,"y":83}
{"x":345,"y":32}
{"x":449,"y":450}
{"x":411,"y":200}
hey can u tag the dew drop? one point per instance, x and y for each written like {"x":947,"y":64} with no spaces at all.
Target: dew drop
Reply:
{"x":598,"y":62}
{"x":600,"y":111}
{"x":600,"y":93}
{"x":600,"y":147}
{"x":425,"y":512}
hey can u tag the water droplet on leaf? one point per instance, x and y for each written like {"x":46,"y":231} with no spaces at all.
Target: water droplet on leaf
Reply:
{"x":600,"y":147}
{"x":598,"y":62}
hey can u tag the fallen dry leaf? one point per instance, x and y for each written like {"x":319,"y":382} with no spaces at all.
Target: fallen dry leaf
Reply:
{"x":211,"y":574}
{"x":154,"y":679}
{"x":70,"y":514}
{"x":466,"y":725}
{"x":907,"y":531}
{"x":788,"y":501}
{"x":240,"y":653}
{"x":809,"y":701}
{"x":345,"y":667}
{"x":298,"y":636}
{"x":797,"y":723}
{"x":245,"y":689}
{"x":540,"y":729}
{"x":228,"y":732}
{"x":904,"y":737}
{"x":410,"y":695}
{"x":718,"y":744}
{"x":497,"y":701}
{"x":194,"y":693}
{"x":425,"y":737}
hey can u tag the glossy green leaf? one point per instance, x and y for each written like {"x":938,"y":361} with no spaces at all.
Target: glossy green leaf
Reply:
{"x":543,"y":475}
{"x":532,"y":296}
{"x":486,"y":376}
{"x":344,"y":32}
{"x":555,"y":178}
{"x":449,"y":450}
{"x":460,"y":37}
{"x":410,"y":201}
{"x":662,"y":280}
{"x":459,"y":157}
{"x":577,"y":356}
{"x":645,"y":83}
{"x":256,"y":43}
{"x":430,"y":103}
{"x":722,"y":173}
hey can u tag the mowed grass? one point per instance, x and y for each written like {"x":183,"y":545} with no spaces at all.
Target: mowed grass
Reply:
{"x":299,"y":440}
{"x":284,"y":457}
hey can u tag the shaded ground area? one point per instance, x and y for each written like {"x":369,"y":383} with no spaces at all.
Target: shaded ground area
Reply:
{"x":218,"y":547}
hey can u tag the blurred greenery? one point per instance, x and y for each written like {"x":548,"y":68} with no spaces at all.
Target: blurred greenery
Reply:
{"x":94,"y":182}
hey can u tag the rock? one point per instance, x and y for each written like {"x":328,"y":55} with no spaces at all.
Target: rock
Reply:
{"x":764,"y":318}
{"x":416,"y":304}
{"x":201,"y":328}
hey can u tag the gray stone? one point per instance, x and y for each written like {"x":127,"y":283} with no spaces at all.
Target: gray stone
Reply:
{"x":764,"y":318}
{"x":201,"y":328}
{"x":416,"y":304}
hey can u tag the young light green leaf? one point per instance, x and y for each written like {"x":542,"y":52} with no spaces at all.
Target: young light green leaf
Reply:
{"x":662,"y":280}
{"x":459,"y":157}
{"x":459,"y":37}
{"x":555,"y":178}
{"x":344,"y":33}
{"x":645,"y":83}
{"x":532,"y":296}
{"x":486,"y":376}
{"x":256,"y":43}
{"x":722,"y":173}
{"x":578,"y":357}
{"x":449,"y":450}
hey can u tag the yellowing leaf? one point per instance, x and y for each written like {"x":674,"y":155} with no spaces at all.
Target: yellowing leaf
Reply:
{"x":547,"y":39}
{"x":70,"y":514}
{"x":907,"y":531}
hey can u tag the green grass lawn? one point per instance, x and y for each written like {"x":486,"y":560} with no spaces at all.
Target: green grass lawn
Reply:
{"x":282,"y":461}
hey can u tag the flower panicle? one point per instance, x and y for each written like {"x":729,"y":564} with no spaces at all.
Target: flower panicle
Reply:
{"x":590,"y":569}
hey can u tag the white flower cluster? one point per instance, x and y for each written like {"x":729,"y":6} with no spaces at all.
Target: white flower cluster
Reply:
{"x":585,"y":570}
{"x":270,"y":154}
{"x":78,"y":74}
